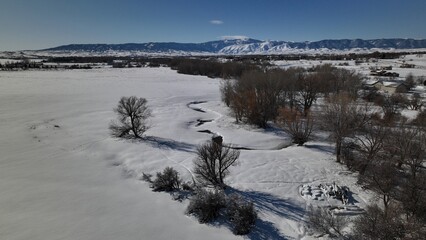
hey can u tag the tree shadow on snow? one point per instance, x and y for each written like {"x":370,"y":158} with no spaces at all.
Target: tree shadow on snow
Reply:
{"x":165,"y":143}
{"x":265,"y":230}
{"x":261,"y":231}
{"x":269,"y":203}
{"x":272,"y":128}
{"x":321,"y":148}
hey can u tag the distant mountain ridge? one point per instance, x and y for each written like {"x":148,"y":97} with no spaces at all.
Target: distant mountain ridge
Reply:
{"x":245,"y":46}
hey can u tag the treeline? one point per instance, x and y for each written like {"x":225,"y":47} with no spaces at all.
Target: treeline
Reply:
{"x":212,"y":67}
{"x":110,"y":60}
{"x":256,"y":59}
{"x":334,"y":57}
{"x":387,"y":150}
{"x":390,"y":158}
{"x":22,"y":65}
{"x":259,"y":94}
{"x":26,"y":65}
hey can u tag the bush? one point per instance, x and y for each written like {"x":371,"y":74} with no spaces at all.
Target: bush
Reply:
{"x":375,"y":224}
{"x":167,"y":181}
{"x":205,"y":205}
{"x":297,"y":126}
{"x":146,"y":177}
{"x":241,"y":214}
{"x":420,"y":119}
{"x":323,"y":221}
{"x":187,"y":186}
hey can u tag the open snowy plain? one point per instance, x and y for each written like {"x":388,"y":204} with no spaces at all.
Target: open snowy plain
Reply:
{"x":63,"y":177}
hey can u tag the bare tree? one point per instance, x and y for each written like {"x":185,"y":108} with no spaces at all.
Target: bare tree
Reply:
{"x":227,"y":91}
{"x":383,"y":179}
{"x":392,"y":106}
{"x":415,"y":102}
{"x":290,"y":79}
{"x":343,"y":117}
{"x":212,"y":163}
{"x":413,"y":195}
{"x":297,"y":126}
{"x":375,"y":224}
{"x":348,"y":81}
{"x":262,"y":93}
{"x":420,"y":120}
{"x":409,"y":81}
{"x":370,"y":142}
{"x":308,"y":90}
{"x":407,"y":145}
{"x":133,"y":113}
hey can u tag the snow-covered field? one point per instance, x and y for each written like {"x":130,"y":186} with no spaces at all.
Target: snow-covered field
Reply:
{"x":63,"y":177}
{"x":418,"y":60}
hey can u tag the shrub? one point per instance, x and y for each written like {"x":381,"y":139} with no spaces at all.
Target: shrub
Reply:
{"x":187,"y":186}
{"x":241,"y":214}
{"x":205,"y":205}
{"x":375,"y":224}
{"x":146,"y":177}
{"x":296,"y":125}
{"x":167,"y":181}
{"x":323,"y":221}
{"x":420,"y":119}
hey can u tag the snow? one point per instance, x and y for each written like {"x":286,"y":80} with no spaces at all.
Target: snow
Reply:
{"x":57,"y":177}
{"x":63,"y":177}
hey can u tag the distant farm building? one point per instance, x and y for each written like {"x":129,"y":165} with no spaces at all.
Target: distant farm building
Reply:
{"x":387,"y":86}
{"x":383,"y":73}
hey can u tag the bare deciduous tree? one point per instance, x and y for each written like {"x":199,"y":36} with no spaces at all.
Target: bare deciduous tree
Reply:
{"x":375,"y":224}
{"x":383,"y":179}
{"x":415,"y":102}
{"x":308,"y":90}
{"x":413,"y":195}
{"x":297,"y":126}
{"x":349,"y":81}
{"x":212,"y":163}
{"x":343,"y":117}
{"x":405,"y":143}
{"x":410,"y":81}
{"x":227,"y":91}
{"x":370,"y":142}
{"x":133,"y":113}
{"x":262,"y":93}
{"x":392,"y":106}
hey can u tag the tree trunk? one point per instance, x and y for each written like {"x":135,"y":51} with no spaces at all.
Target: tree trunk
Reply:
{"x":338,"y":150}
{"x":386,"y":200}
{"x":135,"y":132}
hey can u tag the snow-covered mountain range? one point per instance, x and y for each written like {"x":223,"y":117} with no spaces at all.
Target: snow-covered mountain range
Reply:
{"x":241,"y":46}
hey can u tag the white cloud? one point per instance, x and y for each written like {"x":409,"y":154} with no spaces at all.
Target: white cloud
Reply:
{"x":235,"y":37}
{"x":216,"y":22}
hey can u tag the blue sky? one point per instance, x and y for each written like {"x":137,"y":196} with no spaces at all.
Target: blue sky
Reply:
{"x":37,"y":24}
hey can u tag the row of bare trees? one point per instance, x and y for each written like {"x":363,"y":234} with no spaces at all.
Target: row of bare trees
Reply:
{"x":258,"y":95}
{"x":390,"y":156}
{"x":388,"y":151}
